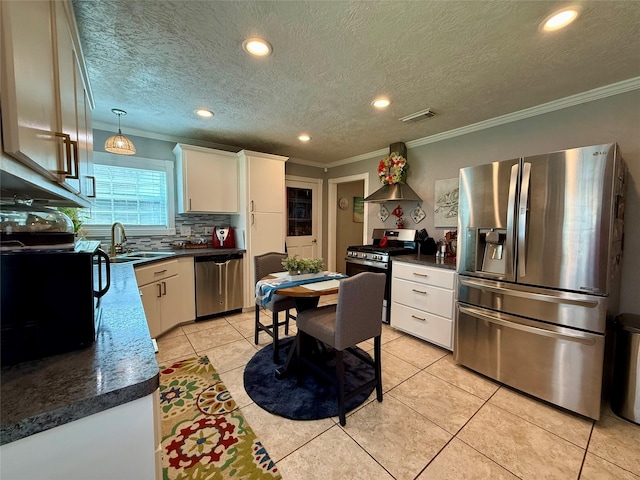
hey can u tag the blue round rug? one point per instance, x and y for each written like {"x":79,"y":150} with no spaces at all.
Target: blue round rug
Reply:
{"x":315,"y":398}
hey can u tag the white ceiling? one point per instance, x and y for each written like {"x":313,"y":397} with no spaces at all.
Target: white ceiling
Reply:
{"x":469,"y":61}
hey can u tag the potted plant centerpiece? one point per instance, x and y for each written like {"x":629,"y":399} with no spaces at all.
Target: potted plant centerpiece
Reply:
{"x":301,"y":268}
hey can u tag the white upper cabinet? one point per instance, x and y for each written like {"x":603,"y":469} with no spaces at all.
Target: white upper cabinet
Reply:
{"x":29,"y":116}
{"x":46,"y":100}
{"x":207,"y":180}
{"x":266,"y":182}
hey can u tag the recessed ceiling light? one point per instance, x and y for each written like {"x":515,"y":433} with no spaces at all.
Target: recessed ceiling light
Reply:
{"x":559,"y":19}
{"x":381,"y":103}
{"x":204,"y":113}
{"x":257,"y":47}
{"x":304,"y":137}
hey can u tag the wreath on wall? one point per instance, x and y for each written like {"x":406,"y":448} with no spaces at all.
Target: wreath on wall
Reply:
{"x":392,"y":169}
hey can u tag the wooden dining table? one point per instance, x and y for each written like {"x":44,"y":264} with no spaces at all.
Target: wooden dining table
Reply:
{"x":306,"y":296}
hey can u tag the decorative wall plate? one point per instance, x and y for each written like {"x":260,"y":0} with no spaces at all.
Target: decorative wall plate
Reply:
{"x":343,"y":203}
{"x":383,"y":213}
{"x":417,"y":214}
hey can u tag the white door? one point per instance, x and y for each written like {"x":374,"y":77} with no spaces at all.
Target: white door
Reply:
{"x":302,"y":218}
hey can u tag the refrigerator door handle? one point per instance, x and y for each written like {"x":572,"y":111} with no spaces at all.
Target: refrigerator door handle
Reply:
{"x":523,"y":212}
{"x":535,"y":296}
{"x":515,"y":323}
{"x":511,"y":205}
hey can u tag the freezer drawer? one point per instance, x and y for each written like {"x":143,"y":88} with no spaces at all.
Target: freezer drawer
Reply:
{"x":557,"y":364}
{"x":573,"y":310}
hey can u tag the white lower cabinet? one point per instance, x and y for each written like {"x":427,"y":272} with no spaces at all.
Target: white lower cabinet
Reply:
{"x":167,"y":290}
{"x":120,"y":442}
{"x":422,"y":300}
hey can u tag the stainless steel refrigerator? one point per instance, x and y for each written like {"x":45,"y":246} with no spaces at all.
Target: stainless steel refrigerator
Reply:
{"x":539,"y":259}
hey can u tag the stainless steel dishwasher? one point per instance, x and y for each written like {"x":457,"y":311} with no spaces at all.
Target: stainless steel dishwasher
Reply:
{"x":218,"y":284}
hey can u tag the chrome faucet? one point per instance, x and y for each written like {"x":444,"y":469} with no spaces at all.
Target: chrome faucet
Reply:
{"x":117,"y":247}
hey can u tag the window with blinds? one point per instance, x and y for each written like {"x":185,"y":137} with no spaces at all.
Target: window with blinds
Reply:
{"x":136,"y":192}
{"x":131,"y":196}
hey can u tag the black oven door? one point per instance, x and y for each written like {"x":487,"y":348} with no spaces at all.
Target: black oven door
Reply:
{"x":355,"y":266}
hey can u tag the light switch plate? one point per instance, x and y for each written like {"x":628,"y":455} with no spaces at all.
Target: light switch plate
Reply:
{"x":208,"y":230}
{"x":185,"y":231}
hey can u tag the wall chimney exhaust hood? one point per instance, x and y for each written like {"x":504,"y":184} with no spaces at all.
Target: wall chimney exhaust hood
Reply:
{"x":395,"y":192}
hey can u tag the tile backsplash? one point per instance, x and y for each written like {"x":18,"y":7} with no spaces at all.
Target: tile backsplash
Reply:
{"x":197,"y":224}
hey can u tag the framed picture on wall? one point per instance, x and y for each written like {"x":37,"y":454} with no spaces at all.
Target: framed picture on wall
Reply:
{"x":358,"y":209}
{"x":445,"y":212}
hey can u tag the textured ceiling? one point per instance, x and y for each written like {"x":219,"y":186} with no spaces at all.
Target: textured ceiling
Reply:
{"x":467,"y":60}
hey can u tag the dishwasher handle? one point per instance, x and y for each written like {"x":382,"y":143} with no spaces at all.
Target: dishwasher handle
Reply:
{"x":218,"y":258}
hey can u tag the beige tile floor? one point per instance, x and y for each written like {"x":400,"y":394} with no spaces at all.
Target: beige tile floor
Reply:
{"x":438,"y":420}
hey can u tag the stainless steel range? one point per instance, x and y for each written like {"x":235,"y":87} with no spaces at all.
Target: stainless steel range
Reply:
{"x":376,"y":257}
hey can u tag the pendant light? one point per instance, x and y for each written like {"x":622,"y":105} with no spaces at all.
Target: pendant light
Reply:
{"x":119,"y":143}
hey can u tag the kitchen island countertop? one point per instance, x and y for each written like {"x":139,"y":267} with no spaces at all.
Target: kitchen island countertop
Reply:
{"x":119,"y":367}
{"x":447,"y":263}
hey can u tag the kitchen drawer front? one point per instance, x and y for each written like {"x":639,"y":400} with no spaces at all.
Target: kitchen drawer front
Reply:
{"x":431,"y":328}
{"x":423,"y":297}
{"x":437,"y":277}
{"x":156,"y":271}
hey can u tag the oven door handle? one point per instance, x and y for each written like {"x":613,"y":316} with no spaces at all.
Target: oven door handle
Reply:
{"x":368,"y":263}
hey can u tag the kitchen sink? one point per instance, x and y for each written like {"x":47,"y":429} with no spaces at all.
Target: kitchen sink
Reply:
{"x":123,"y":259}
{"x":149,"y":254}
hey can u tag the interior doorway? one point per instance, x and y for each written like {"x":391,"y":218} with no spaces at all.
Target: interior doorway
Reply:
{"x":304,"y":216}
{"x":346,"y":226}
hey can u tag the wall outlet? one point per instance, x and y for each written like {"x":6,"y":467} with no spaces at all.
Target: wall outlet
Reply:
{"x":208,"y":230}
{"x":185,"y":231}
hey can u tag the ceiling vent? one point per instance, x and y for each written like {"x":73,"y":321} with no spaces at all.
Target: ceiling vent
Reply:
{"x":418,"y":116}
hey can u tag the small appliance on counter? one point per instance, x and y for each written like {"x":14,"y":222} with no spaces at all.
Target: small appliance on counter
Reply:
{"x":426,"y":244}
{"x":223,"y":237}
{"x":24,"y":226}
{"x":50,"y":300}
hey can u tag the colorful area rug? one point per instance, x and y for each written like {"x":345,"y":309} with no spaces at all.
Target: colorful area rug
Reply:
{"x":204,"y":434}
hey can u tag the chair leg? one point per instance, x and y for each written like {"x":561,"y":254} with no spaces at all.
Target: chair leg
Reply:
{"x":298,"y":362}
{"x":340,"y":379}
{"x":378,"y":367}
{"x":275,"y":336}
{"x":286,"y":322}
{"x":257,"y":325}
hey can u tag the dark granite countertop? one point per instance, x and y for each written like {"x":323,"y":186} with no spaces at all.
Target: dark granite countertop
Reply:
{"x":198,"y":252}
{"x":427,"y":260}
{"x":184,"y":252}
{"x":118,"y":368}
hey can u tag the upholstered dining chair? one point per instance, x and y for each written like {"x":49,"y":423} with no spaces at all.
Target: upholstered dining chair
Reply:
{"x":355,"y":318}
{"x":264,"y":265}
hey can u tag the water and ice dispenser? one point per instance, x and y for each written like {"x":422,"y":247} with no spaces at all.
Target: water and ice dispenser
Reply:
{"x":487,"y":252}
